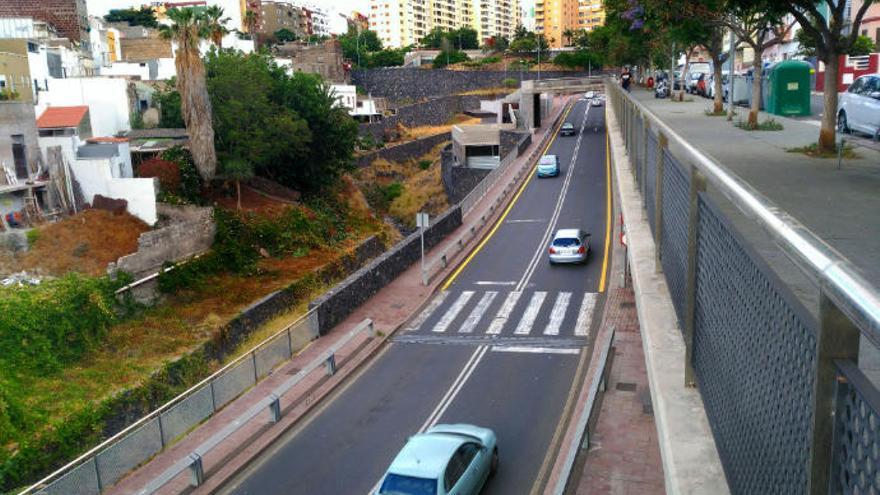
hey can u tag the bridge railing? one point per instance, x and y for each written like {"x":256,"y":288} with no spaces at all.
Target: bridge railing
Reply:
{"x":104,"y":465}
{"x":789,"y":409}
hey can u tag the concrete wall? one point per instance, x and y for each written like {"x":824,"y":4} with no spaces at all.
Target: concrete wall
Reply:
{"x":107,"y":99}
{"x":189,"y":231}
{"x":95,"y":177}
{"x":458,"y":181}
{"x":339,"y":302}
{"x":424,"y":83}
{"x":405,"y":151}
{"x":17,"y":118}
{"x":437,"y":111}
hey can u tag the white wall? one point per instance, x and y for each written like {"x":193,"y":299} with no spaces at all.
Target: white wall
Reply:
{"x":133,"y":69}
{"x":346,"y":95}
{"x":68,"y":146}
{"x":107,"y":99}
{"x":95,"y":177}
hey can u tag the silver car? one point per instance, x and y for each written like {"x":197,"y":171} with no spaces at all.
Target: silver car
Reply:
{"x":570,"y":246}
{"x":860,"y":107}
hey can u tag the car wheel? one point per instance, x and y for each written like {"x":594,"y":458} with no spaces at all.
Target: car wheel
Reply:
{"x":842,"y":124}
{"x":493,"y":468}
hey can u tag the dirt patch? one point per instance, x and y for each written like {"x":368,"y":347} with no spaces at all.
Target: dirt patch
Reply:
{"x":251,"y":199}
{"x":84,"y":243}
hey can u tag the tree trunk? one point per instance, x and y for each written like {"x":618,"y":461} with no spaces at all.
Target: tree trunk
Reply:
{"x":684,"y":71}
{"x":827,"y":134}
{"x":718,"y":100}
{"x":757,"y":73}
{"x":238,"y":192}
{"x":195,"y":105}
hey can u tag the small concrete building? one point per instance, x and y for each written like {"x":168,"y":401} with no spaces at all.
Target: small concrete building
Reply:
{"x":19,"y":149}
{"x":478,"y":146}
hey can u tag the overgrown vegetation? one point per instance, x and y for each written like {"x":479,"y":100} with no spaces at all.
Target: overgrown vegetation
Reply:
{"x":813,"y":150}
{"x":364,"y":50}
{"x":767,"y":125}
{"x":134,"y":17}
{"x":449,"y":56}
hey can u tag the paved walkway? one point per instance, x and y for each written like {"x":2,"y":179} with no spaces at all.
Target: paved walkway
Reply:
{"x":389,"y":308}
{"x":624,"y":455}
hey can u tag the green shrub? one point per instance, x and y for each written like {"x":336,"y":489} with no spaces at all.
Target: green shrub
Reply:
{"x":32,"y":236}
{"x":454,"y":57}
{"x":425,"y":164}
{"x":190,"y":185}
{"x":510,"y":82}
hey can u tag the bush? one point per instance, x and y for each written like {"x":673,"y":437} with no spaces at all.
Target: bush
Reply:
{"x":455,"y":56}
{"x":425,"y":164}
{"x":510,"y":82}
{"x":190,"y":180}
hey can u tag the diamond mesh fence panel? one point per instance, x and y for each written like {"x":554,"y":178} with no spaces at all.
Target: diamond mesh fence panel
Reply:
{"x":272,"y":353}
{"x":673,"y":245}
{"x":128,"y":453}
{"x":651,"y":181}
{"x":650,"y":157}
{"x":856,"y":468}
{"x":754,"y":348}
{"x":187,"y":413}
{"x":81,"y":480}
{"x":231,"y":384}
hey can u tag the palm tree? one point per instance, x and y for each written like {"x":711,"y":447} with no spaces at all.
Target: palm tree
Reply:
{"x":238,"y":170}
{"x":187,"y":30}
{"x":216,"y":24}
{"x":250,"y":20}
{"x":568,"y":34}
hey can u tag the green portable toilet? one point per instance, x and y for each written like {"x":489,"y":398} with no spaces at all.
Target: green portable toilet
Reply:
{"x":788,"y":88}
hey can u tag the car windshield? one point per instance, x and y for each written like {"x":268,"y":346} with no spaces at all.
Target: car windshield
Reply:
{"x":396,"y":484}
{"x":566,"y":242}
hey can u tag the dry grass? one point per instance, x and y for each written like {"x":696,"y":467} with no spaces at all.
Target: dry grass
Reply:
{"x":412,"y":133}
{"x":83,"y":243}
{"x":421,"y":192}
{"x":498,"y":91}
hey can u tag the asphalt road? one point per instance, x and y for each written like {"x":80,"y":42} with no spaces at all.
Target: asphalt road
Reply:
{"x":499,"y":347}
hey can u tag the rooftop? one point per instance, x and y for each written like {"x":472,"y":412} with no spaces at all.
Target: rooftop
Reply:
{"x":55,"y":117}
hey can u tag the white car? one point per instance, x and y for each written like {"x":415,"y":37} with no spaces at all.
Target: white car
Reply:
{"x":589,"y":95}
{"x":860,"y":107}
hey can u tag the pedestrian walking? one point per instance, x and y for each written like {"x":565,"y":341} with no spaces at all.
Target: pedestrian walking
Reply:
{"x":625,"y":79}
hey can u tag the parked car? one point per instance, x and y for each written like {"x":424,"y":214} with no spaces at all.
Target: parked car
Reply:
{"x":569,"y":246}
{"x":693,"y":81}
{"x":445,"y":460}
{"x":567,"y":129}
{"x":860,"y":107}
{"x":710,"y":86}
{"x":548,"y":166}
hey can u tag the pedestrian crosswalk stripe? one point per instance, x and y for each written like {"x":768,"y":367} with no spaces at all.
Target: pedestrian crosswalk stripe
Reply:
{"x":585,"y":315}
{"x":427,"y":312}
{"x":531,"y":314}
{"x":558,"y":313}
{"x":477,"y":313}
{"x":503,"y":313}
{"x":453,"y":311}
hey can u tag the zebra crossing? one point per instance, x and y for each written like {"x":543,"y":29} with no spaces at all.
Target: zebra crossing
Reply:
{"x":513,"y":314}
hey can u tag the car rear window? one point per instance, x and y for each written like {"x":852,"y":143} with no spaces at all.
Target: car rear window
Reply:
{"x":408,"y":485}
{"x":547,"y":161}
{"x":566,"y":242}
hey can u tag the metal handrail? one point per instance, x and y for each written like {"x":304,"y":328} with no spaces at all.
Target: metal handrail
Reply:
{"x":835,"y":275}
{"x":164,"y":407}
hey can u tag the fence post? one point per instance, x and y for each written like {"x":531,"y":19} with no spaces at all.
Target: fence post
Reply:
{"x":838,"y":338}
{"x":274,"y":409}
{"x":698,"y":185}
{"x":161,"y":431}
{"x":97,"y":474}
{"x":371,"y":329}
{"x":662,"y":143}
{"x":330,"y":364}
{"x":254,"y":362}
{"x":196,"y":470}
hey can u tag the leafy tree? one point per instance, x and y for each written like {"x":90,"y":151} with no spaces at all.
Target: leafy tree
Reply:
{"x":363,"y":44}
{"x":464,"y":38}
{"x":496,"y":44}
{"x":834,"y":35}
{"x":237,"y":170}
{"x":449,"y":56}
{"x":568,"y":34}
{"x":187,"y":29}
{"x":215,"y":23}
{"x":386,"y":58}
{"x":580,"y":59}
{"x":434,"y":38}
{"x":168,"y":100}
{"x":284,"y":35}
{"x":134,"y":17}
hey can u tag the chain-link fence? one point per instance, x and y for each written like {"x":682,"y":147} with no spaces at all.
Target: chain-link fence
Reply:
{"x":789,"y":410}
{"x":107,"y":463}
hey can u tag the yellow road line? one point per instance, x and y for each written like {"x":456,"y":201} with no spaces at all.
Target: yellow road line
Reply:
{"x":500,"y":220}
{"x":604,"y":276}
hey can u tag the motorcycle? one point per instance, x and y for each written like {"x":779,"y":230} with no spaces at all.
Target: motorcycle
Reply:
{"x":662,"y":89}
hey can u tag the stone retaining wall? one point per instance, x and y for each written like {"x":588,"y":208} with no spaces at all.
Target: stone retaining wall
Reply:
{"x":437,"y":111}
{"x":425,"y":83}
{"x":405,"y":151}
{"x":339,"y":302}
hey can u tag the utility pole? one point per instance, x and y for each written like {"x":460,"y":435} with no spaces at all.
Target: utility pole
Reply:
{"x":672,"y":73}
{"x":732,"y":59}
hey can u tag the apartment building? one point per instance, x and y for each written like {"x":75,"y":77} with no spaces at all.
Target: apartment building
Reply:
{"x":283,"y":15}
{"x":69,"y":17}
{"x":553,"y":18}
{"x":405,"y":22}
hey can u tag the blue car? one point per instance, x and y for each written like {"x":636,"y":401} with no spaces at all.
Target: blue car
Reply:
{"x":548,"y":166}
{"x":445,"y":460}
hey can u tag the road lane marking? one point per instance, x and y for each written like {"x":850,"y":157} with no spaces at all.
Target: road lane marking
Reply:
{"x":489,"y":282}
{"x":528,"y":220}
{"x":456,"y":386}
{"x":557,"y":210}
{"x":557,"y":314}
{"x":504,"y":313}
{"x":604,"y":277}
{"x":427,"y":312}
{"x":585,"y":315}
{"x":534,"y":350}
{"x":453,"y":311}
{"x":471,"y":322}
{"x":500,"y":221}
{"x":531,"y":314}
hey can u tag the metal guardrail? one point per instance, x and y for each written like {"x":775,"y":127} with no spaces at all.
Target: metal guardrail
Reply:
{"x":436,"y":265}
{"x":105,"y":464}
{"x":581,"y":439}
{"x":765,"y":366}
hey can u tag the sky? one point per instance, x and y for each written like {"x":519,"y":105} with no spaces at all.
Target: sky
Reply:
{"x":101,"y":7}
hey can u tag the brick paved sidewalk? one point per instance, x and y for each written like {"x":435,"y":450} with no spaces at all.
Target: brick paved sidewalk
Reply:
{"x":624,"y":455}
{"x":389,"y":308}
